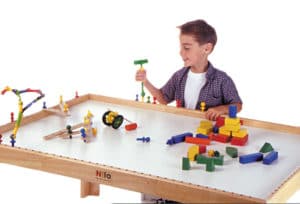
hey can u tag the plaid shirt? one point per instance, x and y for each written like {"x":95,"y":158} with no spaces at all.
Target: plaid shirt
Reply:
{"x":219,"y":88}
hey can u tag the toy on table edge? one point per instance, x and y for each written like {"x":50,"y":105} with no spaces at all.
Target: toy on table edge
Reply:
{"x":21,"y":109}
{"x":141,"y":62}
{"x":63,"y":108}
{"x":112,"y":118}
{"x":86,"y":130}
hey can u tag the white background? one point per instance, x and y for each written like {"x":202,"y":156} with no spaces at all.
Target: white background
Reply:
{"x":62,"y":46}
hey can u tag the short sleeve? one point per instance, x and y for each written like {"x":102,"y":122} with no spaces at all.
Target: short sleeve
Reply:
{"x":168,"y":90}
{"x":230,"y":92}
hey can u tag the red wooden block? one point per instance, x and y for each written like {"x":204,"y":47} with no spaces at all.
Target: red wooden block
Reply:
{"x":202,"y":149}
{"x":239,"y":141}
{"x":241,"y":122}
{"x":195,"y":140}
{"x":221,"y":138}
{"x":220,"y":121}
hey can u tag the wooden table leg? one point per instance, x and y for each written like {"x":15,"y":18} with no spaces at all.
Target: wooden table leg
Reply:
{"x":89,"y":188}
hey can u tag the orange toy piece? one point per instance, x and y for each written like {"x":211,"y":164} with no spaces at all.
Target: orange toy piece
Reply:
{"x":131,"y":126}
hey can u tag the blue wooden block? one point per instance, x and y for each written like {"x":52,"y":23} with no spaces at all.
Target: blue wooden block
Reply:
{"x":232,"y":111}
{"x":272,"y":156}
{"x":199,"y":135}
{"x":244,"y":159}
{"x":215,"y":129}
{"x":178,"y":138}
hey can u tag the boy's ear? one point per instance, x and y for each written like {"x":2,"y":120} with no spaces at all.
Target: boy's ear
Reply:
{"x":208,"y":48}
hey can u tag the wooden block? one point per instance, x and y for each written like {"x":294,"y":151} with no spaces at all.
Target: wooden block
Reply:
{"x":203,"y":131}
{"x":234,"y":128}
{"x":220,"y":121}
{"x":239,"y":141}
{"x":202,"y":149}
{"x":206,"y":124}
{"x":195,"y":140}
{"x":224,"y":131}
{"x":220,"y":138}
{"x":232,"y":121}
{"x":192,"y":152}
{"x":272,"y":156}
{"x":186,"y":163}
{"x":244,"y":159}
{"x":232,"y":151}
{"x":241,"y":133}
{"x":267,"y":147}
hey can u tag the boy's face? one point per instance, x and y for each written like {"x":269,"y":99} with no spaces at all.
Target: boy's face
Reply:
{"x":191,"y":52}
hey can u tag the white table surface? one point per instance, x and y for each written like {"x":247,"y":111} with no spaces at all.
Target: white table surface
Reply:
{"x":119,"y":148}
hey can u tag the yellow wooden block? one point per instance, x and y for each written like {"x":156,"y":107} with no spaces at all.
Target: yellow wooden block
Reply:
{"x":234,"y":128}
{"x":241,"y":133}
{"x":224,"y":131}
{"x":232,"y":121}
{"x":203,"y":131}
{"x":192,"y":152}
{"x":206,"y":124}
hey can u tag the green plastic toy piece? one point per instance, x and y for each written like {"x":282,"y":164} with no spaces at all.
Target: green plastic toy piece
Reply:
{"x":140,"y":62}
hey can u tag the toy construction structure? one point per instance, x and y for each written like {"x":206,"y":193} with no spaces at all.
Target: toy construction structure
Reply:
{"x":21,"y":108}
{"x":112,"y":118}
{"x":141,"y":62}
{"x":86,"y":131}
{"x":63,"y":108}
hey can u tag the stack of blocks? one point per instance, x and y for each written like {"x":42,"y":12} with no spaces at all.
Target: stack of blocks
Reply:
{"x":229,"y":129}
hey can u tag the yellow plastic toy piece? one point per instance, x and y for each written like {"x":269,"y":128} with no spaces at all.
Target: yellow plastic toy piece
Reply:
{"x":94,"y":132}
{"x":211,"y":153}
{"x":66,"y":108}
{"x":111,"y":116}
{"x":202,"y":106}
{"x":61,"y":99}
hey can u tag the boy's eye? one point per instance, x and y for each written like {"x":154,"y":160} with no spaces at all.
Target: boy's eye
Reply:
{"x":186,"y":48}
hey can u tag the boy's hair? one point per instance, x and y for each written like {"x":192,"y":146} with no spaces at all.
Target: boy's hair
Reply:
{"x":200,"y":30}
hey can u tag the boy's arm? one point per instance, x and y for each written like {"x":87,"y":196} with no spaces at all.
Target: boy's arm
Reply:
{"x":155,"y":92}
{"x":214,"y":112}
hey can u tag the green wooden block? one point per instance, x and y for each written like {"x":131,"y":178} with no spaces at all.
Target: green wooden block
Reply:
{"x":210,"y":165}
{"x":186,"y":163}
{"x":267,"y":147}
{"x":232,"y":152}
{"x":201,"y":159}
{"x":219,"y":160}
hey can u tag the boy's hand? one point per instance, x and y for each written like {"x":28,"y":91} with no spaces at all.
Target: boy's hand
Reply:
{"x":214,"y":113}
{"x":141,"y":75}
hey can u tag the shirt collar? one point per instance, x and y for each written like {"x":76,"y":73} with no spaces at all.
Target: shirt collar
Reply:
{"x":210,"y":71}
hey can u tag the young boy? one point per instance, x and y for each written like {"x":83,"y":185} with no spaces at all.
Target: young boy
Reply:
{"x":198,"y":81}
